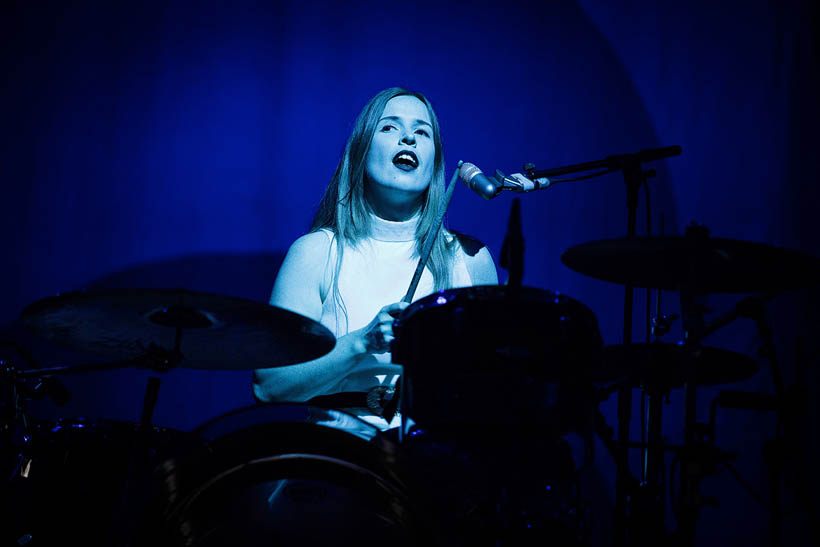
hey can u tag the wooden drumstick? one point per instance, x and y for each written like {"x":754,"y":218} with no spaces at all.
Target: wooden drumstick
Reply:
{"x":431,"y":238}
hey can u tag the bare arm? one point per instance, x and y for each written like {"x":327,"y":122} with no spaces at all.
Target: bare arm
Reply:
{"x":482,"y":268}
{"x":298,"y":288}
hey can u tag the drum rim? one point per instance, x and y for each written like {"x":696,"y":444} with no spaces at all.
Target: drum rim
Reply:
{"x":363,"y":451}
{"x":455,"y":296}
{"x":285,"y":413}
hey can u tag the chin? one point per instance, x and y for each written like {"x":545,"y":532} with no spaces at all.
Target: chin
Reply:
{"x":407,"y":184}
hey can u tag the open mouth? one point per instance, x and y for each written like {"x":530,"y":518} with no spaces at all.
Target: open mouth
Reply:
{"x":406,"y":160}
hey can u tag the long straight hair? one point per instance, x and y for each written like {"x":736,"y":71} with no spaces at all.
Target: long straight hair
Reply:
{"x":344,"y":209}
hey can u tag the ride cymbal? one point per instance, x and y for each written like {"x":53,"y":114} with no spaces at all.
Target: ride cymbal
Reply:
{"x":213,"y":331}
{"x":703,"y":264}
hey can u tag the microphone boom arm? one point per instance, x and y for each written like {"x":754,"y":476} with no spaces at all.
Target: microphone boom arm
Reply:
{"x":616,"y":162}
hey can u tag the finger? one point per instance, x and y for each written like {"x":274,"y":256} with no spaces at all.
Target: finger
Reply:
{"x":396,"y":308}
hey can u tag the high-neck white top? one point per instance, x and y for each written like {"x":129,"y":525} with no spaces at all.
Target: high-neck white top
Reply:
{"x":373,"y":274}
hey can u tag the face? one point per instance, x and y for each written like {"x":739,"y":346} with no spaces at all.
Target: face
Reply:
{"x":400,"y":160}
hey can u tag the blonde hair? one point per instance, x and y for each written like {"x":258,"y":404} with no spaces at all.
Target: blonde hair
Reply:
{"x":345,"y":211}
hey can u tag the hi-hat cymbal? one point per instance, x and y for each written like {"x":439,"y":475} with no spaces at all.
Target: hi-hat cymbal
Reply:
{"x":703,"y":264}
{"x":215,"y":332}
{"x":666,"y":365}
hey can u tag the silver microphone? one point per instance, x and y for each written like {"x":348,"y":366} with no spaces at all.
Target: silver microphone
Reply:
{"x":478,"y":182}
{"x":488,"y":188}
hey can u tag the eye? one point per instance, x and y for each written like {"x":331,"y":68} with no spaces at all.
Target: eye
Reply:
{"x":423,"y":132}
{"x":387,"y":128}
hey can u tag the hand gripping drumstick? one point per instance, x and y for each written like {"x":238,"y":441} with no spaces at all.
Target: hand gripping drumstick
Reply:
{"x":431,"y":238}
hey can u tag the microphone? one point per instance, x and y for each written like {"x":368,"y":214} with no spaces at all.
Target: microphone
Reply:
{"x":488,"y":188}
{"x":478,"y":182}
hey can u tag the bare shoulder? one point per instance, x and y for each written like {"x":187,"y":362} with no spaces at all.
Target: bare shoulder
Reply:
{"x":311,"y":248}
{"x":478,"y":260}
{"x":300,"y":282}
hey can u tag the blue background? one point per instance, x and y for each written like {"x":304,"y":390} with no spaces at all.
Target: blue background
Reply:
{"x":188,"y":143}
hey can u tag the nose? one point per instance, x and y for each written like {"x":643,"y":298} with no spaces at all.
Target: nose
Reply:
{"x":408,"y":138}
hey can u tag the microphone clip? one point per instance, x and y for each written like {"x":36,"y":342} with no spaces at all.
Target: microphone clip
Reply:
{"x":520,"y":183}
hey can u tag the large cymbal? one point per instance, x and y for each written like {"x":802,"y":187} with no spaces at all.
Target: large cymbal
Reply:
{"x":704,"y":264}
{"x":665,"y":365}
{"x":216,"y":332}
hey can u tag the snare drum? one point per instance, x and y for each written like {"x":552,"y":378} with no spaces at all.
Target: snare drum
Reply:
{"x":286,"y":475}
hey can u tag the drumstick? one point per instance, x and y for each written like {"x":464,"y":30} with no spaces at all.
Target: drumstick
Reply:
{"x":431,"y":238}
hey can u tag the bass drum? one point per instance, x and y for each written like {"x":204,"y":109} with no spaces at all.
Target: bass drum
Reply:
{"x":286,"y":475}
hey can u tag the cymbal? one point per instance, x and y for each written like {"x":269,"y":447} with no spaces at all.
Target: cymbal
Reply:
{"x":664,"y":365}
{"x":704,"y":264}
{"x":215,"y":332}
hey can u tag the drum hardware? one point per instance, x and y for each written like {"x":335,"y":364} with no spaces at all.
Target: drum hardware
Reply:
{"x":33,"y":462}
{"x":634,"y":176}
{"x":789,"y":406}
{"x":695,"y":265}
{"x":662,"y":323}
{"x":16,"y":423}
{"x":383,"y":401}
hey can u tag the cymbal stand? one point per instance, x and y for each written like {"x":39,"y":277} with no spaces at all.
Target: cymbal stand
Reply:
{"x":648,"y":511}
{"x":790,"y":406}
{"x":692,"y":305}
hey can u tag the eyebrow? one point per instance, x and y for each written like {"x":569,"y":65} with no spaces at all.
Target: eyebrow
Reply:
{"x":416,"y":121}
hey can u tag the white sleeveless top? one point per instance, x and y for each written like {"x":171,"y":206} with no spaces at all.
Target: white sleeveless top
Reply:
{"x":373,"y":274}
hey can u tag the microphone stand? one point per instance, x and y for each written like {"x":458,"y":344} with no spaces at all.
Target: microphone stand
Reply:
{"x":512,"y":250}
{"x":634,"y":176}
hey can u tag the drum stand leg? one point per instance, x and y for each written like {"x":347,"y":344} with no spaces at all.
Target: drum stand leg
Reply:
{"x":149,"y":401}
{"x":647,"y":507}
{"x":126,"y":514}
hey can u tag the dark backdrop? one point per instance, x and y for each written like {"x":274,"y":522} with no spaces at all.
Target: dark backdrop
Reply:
{"x":187,"y":144}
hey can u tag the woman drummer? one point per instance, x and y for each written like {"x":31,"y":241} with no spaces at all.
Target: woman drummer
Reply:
{"x":355,"y":265}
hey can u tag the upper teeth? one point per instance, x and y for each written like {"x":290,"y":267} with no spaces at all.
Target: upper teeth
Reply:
{"x":407,"y":157}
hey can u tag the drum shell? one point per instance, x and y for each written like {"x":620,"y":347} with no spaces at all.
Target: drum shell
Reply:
{"x":494,"y":355}
{"x":81,"y":480}
{"x":252,"y":468}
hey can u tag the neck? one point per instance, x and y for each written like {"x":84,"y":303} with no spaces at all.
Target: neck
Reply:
{"x":395,"y":206}
{"x":389,"y":230}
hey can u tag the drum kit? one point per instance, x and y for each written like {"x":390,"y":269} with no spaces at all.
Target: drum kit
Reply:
{"x":479,"y":459}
